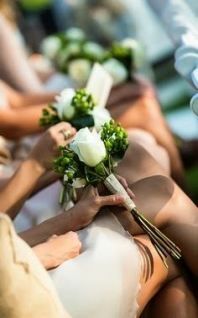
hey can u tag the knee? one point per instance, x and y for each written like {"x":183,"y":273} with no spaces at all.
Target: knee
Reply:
{"x":147,"y":143}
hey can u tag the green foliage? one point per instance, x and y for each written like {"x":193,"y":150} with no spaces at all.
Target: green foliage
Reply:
{"x":123,"y":55}
{"x":83,"y":102}
{"x":49,"y":117}
{"x":68,"y":165}
{"x":115,"y":139}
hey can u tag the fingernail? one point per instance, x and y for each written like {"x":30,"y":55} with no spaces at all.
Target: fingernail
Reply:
{"x":120,"y":197}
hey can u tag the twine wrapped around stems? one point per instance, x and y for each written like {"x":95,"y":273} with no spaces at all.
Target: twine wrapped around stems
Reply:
{"x":161,"y":242}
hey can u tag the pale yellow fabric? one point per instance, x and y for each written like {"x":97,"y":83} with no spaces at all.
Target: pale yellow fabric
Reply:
{"x":26,"y":290}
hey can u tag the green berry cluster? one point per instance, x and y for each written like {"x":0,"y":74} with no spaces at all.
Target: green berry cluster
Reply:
{"x":49,"y":117}
{"x":122,"y":54}
{"x":83,"y":102}
{"x":119,"y":51}
{"x":67,"y":164}
{"x":115,"y":139}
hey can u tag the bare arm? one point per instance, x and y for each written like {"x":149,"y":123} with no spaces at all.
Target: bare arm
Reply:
{"x":15,"y":124}
{"x":14,"y":193}
{"x":17,"y":99}
{"x":76,"y":218}
{"x":68,"y":221}
{"x":19,"y":187}
{"x":14,"y":64}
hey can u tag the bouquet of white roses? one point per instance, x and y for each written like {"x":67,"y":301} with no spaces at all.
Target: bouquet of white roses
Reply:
{"x":90,"y":159}
{"x":77,"y":107}
{"x":73,"y":54}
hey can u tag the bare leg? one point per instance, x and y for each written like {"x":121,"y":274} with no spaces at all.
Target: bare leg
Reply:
{"x":174,"y":207}
{"x":138,"y":163}
{"x":162,"y":202}
{"x":148,"y":142}
{"x":175,"y":300}
{"x":136,"y":106}
{"x":154,"y":274}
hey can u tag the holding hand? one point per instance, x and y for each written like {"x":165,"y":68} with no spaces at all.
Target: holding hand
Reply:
{"x":91,"y":202}
{"x":58,"y":249}
{"x":47,"y":147}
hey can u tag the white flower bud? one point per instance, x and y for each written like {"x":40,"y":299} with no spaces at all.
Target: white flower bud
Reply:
{"x":50,"y":46}
{"x":100,"y":116}
{"x":64,"y":108}
{"x":79,"y":70}
{"x":89,"y":147}
{"x":117,"y":70}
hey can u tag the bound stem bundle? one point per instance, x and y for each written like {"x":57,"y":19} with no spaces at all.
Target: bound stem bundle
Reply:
{"x":161,"y":242}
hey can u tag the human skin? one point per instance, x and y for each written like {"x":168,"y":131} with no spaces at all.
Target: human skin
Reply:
{"x":170,"y":209}
{"x":17,"y":99}
{"x":160,"y":199}
{"x":14,"y":64}
{"x":58,"y":249}
{"x":20,"y":115}
{"x":153,"y":272}
{"x":39,"y":163}
{"x":152,"y":194}
{"x":135,"y":105}
{"x":176,"y":299}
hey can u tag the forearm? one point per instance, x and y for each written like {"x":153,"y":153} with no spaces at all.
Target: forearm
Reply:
{"x":19,"y":187}
{"x":15,"y":124}
{"x":14,"y":62}
{"x":34,"y":99}
{"x":71,"y":220}
{"x":47,"y":179}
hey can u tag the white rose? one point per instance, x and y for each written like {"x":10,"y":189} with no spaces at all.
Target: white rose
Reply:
{"x":79,"y":70}
{"x":50,"y":46}
{"x":117,"y":70}
{"x":75,"y":34}
{"x":89,"y":147}
{"x":100,"y":116}
{"x":63,"y":105}
{"x":137,"y":51}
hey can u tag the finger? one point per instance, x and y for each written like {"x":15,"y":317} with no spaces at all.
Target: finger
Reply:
{"x":114,"y":199}
{"x":69,"y":140}
{"x":122,"y":181}
{"x":130,"y":193}
{"x":62,"y":125}
{"x":63,"y":141}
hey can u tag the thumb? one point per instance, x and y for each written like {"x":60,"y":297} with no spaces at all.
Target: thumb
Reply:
{"x":114,"y":199}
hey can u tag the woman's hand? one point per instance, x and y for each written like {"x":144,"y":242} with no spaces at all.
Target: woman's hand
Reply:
{"x":47,"y":147}
{"x":58,"y":249}
{"x":126,"y":186}
{"x":91,"y":202}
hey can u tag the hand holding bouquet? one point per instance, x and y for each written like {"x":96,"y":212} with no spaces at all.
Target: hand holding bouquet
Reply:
{"x":91,"y":159}
{"x":76,"y":107}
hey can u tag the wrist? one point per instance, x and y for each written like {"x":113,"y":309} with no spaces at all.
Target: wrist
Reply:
{"x":79,"y":218}
{"x":40,"y":251}
{"x":35,"y":166}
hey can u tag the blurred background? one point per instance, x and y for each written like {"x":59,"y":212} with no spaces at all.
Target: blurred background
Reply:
{"x":105,"y":21}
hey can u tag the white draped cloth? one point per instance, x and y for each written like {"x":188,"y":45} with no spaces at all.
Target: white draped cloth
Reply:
{"x":103,"y":281}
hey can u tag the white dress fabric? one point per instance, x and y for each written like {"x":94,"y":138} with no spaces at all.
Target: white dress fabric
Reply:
{"x":103,"y":281}
{"x":40,"y":207}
